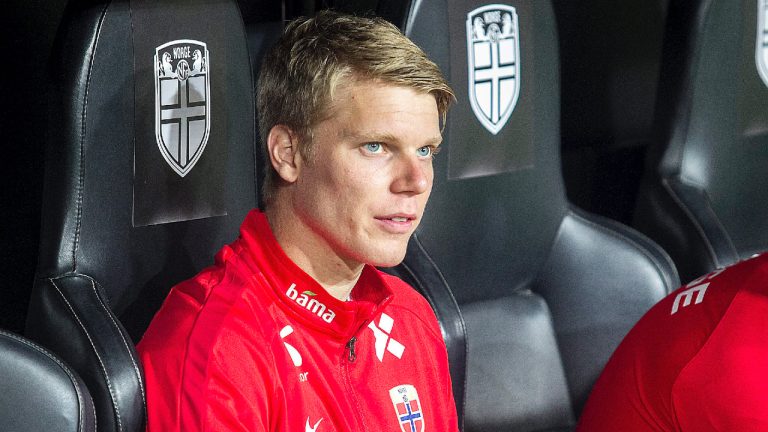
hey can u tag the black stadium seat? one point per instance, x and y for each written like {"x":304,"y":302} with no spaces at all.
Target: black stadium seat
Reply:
{"x":39,"y":391}
{"x":609,"y":71}
{"x":546,"y":290}
{"x":150,"y":168}
{"x":705,"y":196}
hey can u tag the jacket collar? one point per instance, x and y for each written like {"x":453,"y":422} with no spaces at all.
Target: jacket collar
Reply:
{"x":303,"y":297}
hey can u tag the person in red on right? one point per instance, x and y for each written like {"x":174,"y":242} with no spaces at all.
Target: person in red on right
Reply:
{"x":697,"y":361}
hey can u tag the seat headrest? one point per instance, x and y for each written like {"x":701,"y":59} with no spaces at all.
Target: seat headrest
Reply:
{"x":498,"y":176}
{"x":151,"y":156}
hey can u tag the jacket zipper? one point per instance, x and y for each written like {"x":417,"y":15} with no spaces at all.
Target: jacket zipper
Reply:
{"x":347,"y":360}
{"x":351,"y":350}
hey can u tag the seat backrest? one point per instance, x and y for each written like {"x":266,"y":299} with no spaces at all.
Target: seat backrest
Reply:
{"x":150,"y":168}
{"x":39,"y":391}
{"x":546,"y":291}
{"x":609,"y":69}
{"x":705,"y":195}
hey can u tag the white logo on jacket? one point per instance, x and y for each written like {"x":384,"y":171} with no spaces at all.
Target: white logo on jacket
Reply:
{"x":687,"y":295}
{"x":307,"y":428}
{"x":311,"y":304}
{"x":697,"y":287}
{"x":407,"y":407}
{"x":293,"y":352}
{"x":383,"y":340}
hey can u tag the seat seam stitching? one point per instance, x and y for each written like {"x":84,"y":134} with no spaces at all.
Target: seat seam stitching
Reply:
{"x":122,"y":337}
{"x":98,"y":356}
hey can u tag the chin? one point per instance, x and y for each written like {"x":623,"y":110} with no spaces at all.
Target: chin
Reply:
{"x":390,"y":259}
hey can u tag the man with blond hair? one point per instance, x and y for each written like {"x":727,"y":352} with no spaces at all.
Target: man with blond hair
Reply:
{"x":294,"y":328}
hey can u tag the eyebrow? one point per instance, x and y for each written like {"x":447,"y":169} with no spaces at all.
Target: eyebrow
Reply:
{"x":384,"y":137}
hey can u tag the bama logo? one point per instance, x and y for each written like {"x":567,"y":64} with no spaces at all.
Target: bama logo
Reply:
{"x":304,"y":300}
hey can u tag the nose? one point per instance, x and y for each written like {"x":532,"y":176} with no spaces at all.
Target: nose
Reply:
{"x":413,"y":176}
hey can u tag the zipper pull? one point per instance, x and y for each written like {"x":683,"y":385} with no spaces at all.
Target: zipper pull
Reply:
{"x":351,"y":347}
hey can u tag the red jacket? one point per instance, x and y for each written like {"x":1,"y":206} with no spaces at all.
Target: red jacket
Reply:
{"x":255,"y":344}
{"x":695,"y":362}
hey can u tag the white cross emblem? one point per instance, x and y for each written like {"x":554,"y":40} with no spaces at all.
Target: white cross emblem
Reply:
{"x":182,"y":102}
{"x":383,"y":340}
{"x":493,"y":56}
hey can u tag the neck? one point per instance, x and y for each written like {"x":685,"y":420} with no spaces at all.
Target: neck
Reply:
{"x":314,"y":256}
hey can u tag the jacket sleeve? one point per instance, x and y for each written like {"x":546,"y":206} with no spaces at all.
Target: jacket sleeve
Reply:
{"x":193,"y":386}
{"x":724,"y":386}
{"x":233,"y":401}
{"x":236,"y":393}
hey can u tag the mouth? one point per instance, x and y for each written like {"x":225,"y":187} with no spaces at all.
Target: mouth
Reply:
{"x":398,"y":217}
{"x":397,"y":223}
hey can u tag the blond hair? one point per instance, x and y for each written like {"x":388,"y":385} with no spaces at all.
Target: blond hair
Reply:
{"x":300,"y":74}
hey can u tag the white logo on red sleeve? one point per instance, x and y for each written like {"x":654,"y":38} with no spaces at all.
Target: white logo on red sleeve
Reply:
{"x":687,"y":295}
{"x":697,"y":287}
{"x":407,"y":408}
{"x":383,"y":341}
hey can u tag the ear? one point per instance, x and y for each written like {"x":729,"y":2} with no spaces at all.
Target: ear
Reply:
{"x":283,"y":150}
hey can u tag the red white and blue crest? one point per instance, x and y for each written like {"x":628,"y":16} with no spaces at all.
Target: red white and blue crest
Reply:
{"x":493,"y":55}
{"x":761,"y":47}
{"x":407,"y":407}
{"x":182,"y":102}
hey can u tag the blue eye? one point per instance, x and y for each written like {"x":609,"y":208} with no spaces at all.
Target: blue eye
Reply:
{"x":373,"y":147}
{"x":425,"y":151}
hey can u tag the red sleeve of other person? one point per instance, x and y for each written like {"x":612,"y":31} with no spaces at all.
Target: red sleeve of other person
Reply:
{"x":695,"y":362}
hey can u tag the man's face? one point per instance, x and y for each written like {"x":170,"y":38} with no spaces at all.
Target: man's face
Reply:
{"x":363,"y":192}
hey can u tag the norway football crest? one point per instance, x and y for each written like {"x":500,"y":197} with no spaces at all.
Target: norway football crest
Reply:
{"x":761,"y":47}
{"x":493,"y":55}
{"x":182,"y":102}
{"x":407,"y":407}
